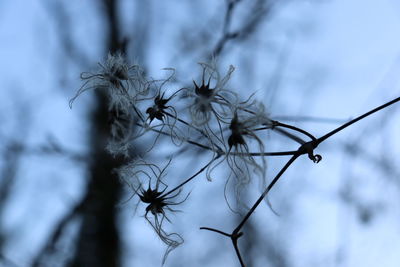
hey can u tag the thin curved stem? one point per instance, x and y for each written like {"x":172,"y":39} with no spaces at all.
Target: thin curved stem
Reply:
{"x":288,"y":126}
{"x":236,"y":234}
{"x":215,"y":230}
{"x":290,"y":135}
{"x":294,"y":128}
{"x":234,"y":237}
{"x":262,"y":154}
{"x":235,"y":245}
{"x":221,"y":152}
{"x":326,"y":136}
{"x":269,"y":187}
{"x":191,"y":177}
{"x":185,"y":122}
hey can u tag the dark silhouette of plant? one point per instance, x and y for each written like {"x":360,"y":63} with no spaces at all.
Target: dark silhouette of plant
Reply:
{"x":208,"y":115}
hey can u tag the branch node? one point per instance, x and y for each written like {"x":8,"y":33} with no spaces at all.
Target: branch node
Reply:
{"x":308,"y":148}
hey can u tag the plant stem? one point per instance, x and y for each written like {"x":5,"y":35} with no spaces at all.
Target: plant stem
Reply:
{"x":326,"y":136}
{"x":294,"y":128}
{"x":186,"y":123}
{"x":273,"y":182}
{"x":215,"y":230}
{"x":191,"y":177}
{"x":221,"y":152}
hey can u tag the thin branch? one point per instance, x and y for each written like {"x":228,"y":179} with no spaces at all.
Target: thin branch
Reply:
{"x":306,"y":148}
{"x":215,"y":230}
{"x":221,"y":152}
{"x":269,"y":187}
{"x":192,"y":177}
{"x":290,"y":136}
{"x":250,"y":23}
{"x":236,"y":234}
{"x":326,"y":136}
{"x":185,"y":123}
{"x":279,"y":124}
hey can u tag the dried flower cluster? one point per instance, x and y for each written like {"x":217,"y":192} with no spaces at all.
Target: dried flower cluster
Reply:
{"x":208,"y":116}
{"x":211,"y":117}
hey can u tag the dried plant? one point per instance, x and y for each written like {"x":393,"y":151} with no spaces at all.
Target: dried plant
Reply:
{"x":208,"y":116}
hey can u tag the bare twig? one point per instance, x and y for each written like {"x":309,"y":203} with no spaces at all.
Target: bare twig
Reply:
{"x":306,"y":148}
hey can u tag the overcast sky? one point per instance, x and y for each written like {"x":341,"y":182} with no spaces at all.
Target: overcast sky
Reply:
{"x":342,"y":60}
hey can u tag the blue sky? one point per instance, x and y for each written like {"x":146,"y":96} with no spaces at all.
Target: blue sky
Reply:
{"x":342,"y":60}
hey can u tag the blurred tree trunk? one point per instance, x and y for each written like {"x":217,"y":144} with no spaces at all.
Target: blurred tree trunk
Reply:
{"x":98,"y":243}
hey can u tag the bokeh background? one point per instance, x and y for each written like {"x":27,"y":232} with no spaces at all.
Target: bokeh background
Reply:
{"x":315,"y":64}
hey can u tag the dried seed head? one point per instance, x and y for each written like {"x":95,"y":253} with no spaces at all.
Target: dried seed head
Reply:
{"x":158,"y":203}
{"x":237,"y":132}
{"x":158,"y":109}
{"x":210,"y":98}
